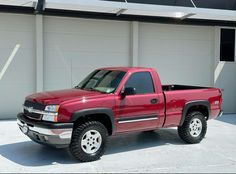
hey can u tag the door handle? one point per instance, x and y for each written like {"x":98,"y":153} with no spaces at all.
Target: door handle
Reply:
{"x":153,"y":101}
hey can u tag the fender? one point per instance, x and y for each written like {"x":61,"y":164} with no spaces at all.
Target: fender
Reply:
{"x":193,"y":103}
{"x":82,"y":113}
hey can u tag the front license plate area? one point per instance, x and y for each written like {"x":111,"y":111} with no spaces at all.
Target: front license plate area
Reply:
{"x":25,"y":129}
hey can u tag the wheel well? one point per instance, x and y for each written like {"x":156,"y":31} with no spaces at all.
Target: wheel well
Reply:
{"x":201,"y":108}
{"x":102,"y":118}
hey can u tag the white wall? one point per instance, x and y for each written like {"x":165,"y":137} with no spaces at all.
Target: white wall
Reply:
{"x":74,"y":47}
{"x":19,"y":79}
{"x":181,"y":54}
{"x":225,"y":77}
{"x":227,"y":82}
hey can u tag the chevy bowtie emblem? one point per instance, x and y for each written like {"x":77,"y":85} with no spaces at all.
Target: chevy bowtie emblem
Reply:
{"x":30,"y":109}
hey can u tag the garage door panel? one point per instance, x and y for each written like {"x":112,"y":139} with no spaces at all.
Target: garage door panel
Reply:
{"x":179,"y":53}
{"x":99,"y":59}
{"x":12,"y":38}
{"x":57,"y":86}
{"x":79,"y":74}
{"x":16,"y":22}
{"x":85,"y":63}
{"x":175,"y":32}
{"x":78,"y":46}
{"x":58,"y":75}
{"x":86,"y":43}
{"x":19,"y":68}
{"x":57,"y":59}
{"x":181,"y":71}
{"x":18,"y":80}
{"x":85,"y":26}
{"x":179,"y":46}
{"x":57,"y":70}
{"x":12,"y":98}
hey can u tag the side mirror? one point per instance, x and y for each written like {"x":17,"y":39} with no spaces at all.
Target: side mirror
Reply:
{"x":128,"y":91}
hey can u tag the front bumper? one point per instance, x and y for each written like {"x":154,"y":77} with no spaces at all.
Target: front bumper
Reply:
{"x":53,"y":134}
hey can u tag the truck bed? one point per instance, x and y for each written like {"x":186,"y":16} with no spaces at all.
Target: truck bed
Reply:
{"x":181,"y":87}
{"x":177,"y":96}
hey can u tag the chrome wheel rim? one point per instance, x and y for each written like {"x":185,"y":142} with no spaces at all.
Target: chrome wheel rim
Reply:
{"x":195,"y":127}
{"x":91,"y":141}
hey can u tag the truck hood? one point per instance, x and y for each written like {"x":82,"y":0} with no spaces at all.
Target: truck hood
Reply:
{"x":57,"y":97}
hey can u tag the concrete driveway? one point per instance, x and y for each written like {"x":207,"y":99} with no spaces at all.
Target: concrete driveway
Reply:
{"x":159,"y":151}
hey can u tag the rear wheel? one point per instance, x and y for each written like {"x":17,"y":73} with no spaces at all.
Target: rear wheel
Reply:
{"x":194,"y":128}
{"x":89,"y":141}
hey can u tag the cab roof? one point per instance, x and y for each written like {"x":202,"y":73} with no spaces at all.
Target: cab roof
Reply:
{"x":126,"y":68}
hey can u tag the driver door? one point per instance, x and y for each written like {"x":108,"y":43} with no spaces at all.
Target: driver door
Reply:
{"x":138,"y":111}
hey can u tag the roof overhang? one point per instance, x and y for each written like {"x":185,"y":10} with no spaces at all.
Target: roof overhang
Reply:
{"x":119,"y":8}
{"x":99,"y":9}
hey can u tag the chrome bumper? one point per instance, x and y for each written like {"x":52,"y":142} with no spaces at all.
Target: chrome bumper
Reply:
{"x":53,"y":134}
{"x":62,"y":133}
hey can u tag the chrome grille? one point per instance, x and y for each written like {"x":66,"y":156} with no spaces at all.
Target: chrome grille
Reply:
{"x":33,"y":105}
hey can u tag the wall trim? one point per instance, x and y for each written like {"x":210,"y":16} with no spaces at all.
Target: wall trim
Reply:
{"x":39,"y":52}
{"x":134,"y":43}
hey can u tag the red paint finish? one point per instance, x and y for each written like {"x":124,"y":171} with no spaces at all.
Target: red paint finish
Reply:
{"x":168,"y":110}
{"x":60,"y":96}
{"x":176,"y":100}
{"x":139,"y":105}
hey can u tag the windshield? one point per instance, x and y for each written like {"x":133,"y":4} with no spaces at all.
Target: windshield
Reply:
{"x":105,"y":81}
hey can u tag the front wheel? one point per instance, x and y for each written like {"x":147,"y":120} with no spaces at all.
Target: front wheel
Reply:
{"x":194,"y":128}
{"x":88,"y":141}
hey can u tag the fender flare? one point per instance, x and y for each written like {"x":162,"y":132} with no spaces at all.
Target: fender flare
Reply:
{"x":92,"y":111}
{"x":194,"y":103}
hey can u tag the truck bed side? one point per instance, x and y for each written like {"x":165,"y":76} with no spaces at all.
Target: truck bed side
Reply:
{"x":178,"y":96}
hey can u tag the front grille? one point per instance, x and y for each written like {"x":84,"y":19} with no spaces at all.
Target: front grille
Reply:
{"x":37,"y":106}
{"x":33,"y":116}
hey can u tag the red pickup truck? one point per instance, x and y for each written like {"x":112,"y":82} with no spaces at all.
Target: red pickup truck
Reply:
{"x":116,"y":100}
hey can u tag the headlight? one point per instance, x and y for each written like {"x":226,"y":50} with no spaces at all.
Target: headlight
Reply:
{"x":51,"y":112}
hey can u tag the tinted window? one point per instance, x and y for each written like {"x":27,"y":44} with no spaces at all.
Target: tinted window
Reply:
{"x":102,"y":80}
{"x":227,"y":44}
{"x":142,"y":82}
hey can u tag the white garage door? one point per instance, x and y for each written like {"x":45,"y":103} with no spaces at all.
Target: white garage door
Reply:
{"x":181,"y":54}
{"x":74,"y":47}
{"x":18,"y":79}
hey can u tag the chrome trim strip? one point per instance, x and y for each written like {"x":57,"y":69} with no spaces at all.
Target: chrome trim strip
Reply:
{"x":137,"y":120}
{"x":31,"y":110}
{"x":33,"y":118}
{"x":62,"y":133}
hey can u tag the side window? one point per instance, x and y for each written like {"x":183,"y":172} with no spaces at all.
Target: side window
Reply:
{"x":142,"y":82}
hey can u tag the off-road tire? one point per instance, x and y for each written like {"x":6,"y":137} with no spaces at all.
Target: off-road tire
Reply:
{"x":184,"y":130}
{"x":75,"y":146}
